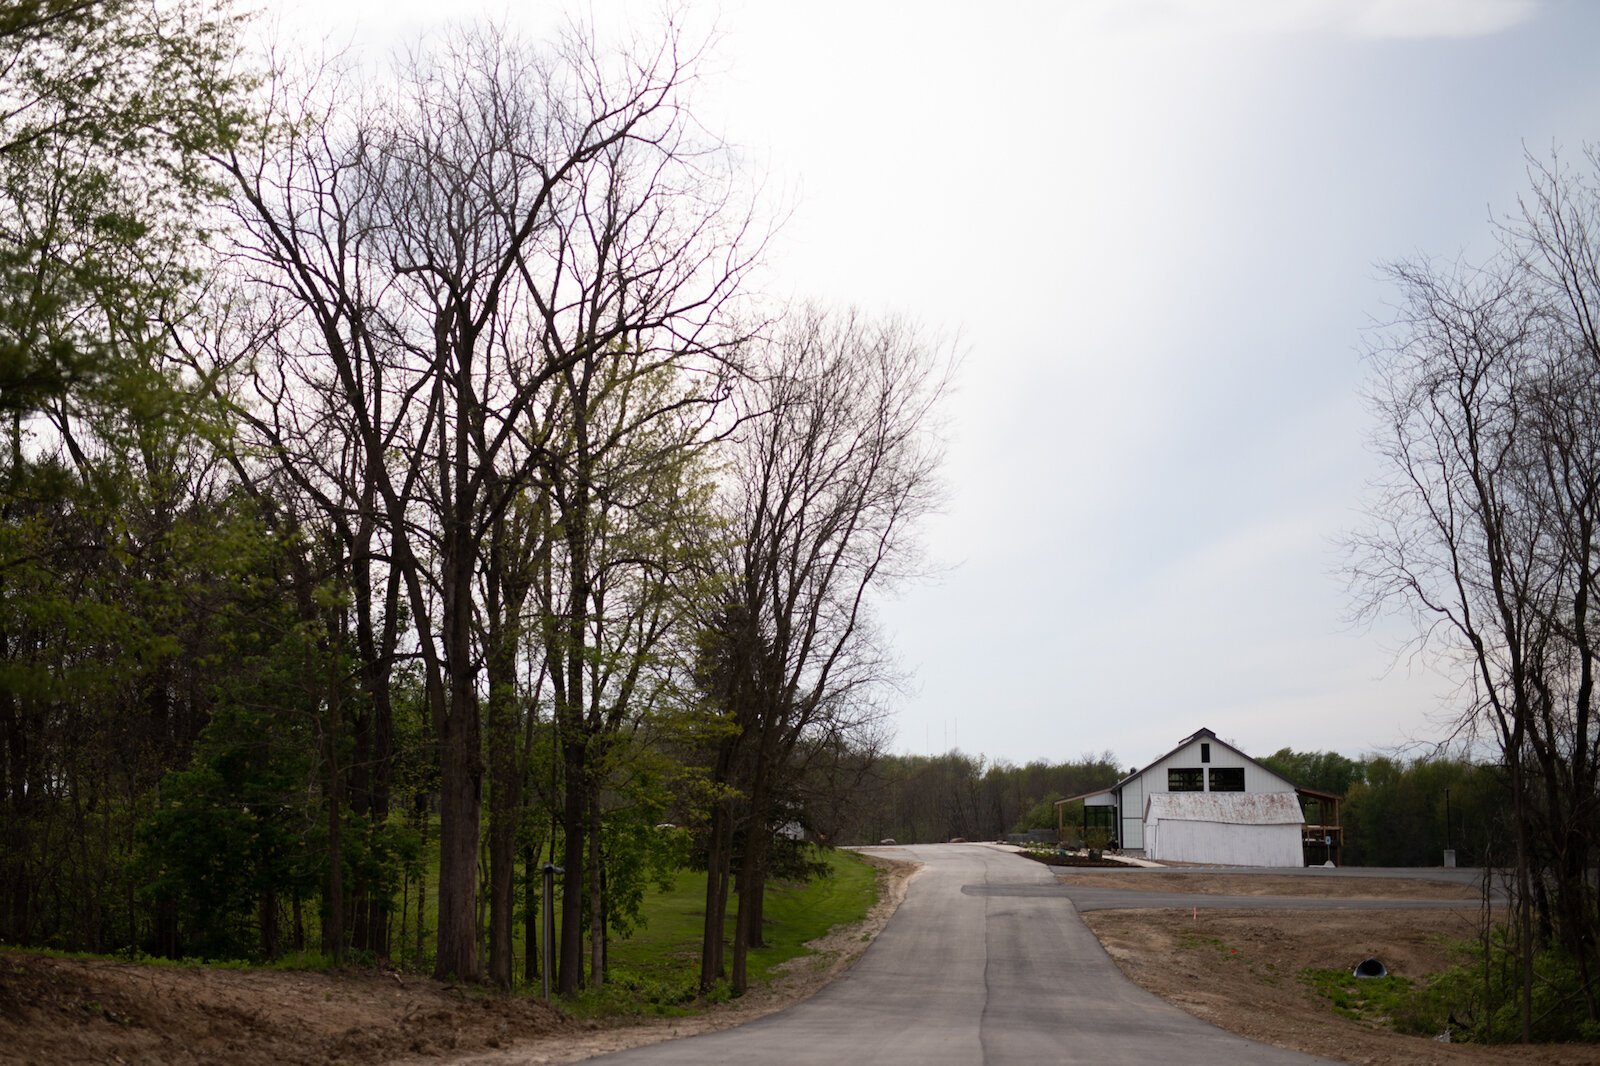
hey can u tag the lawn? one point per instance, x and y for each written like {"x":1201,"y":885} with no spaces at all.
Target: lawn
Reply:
{"x":657,"y":969}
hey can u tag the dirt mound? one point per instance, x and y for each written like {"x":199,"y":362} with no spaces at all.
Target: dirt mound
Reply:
{"x":80,"y":1011}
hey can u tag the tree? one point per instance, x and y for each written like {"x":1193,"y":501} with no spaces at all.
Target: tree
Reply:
{"x":109,"y":499}
{"x":1486,"y":392}
{"x":107,"y":108}
{"x":511,"y":217}
{"x":837,"y":462}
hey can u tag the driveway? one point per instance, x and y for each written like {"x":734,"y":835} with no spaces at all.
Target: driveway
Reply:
{"x":986,"y":961}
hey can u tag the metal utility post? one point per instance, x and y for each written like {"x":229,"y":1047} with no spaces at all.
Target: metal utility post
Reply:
{"x":550,"y":870}
{"x":1449,"y":852}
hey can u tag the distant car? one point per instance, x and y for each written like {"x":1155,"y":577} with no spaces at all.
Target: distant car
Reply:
{"x":887,"y":841}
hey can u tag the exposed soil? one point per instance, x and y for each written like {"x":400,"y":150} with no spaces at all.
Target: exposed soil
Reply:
{"x":1226,"y":884}
{"x":81,"y":1011}
{"x":70,"y":1011}
{"x":1239,"y":969}
{"x":1234,"y":968}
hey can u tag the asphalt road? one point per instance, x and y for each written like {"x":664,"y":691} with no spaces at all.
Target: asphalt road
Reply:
{"x":986,"y":961}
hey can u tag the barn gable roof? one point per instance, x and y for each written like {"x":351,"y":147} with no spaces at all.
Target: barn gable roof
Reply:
{"x":1229,"y":808}
{"x":1200,"y":734}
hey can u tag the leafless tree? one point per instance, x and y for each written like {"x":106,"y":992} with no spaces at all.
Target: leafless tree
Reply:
{"x":506,"y":217}
{"x":824,"y":485}
{"x":1487,"y":391}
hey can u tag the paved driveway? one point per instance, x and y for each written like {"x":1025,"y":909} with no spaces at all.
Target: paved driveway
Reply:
{"x":986,"y":961}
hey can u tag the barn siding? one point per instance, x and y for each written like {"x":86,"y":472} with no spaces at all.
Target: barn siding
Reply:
{"x":1172,"y":840}
{"x":1137,"y":789}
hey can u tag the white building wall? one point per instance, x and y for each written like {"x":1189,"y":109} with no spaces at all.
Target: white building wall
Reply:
{"x":1132,"y":813}
{"x":1171,"y":840}
{"x":1154,"y":779}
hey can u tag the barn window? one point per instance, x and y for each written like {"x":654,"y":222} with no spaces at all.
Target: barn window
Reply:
{"x":1186,"y":780}
{"x":1205,"y":752}
{"x":1227,"y":779}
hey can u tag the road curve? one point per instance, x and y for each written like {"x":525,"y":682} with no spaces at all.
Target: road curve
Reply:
{"x":986,"y":961}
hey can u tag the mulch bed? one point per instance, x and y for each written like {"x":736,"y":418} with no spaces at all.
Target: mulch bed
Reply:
{"x":1053,"y":859}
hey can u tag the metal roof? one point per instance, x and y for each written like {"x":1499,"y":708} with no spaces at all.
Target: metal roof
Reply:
{"x":1232,"y":808}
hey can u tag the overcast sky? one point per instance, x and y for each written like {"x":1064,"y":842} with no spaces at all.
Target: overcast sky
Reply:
{"x":1157,"y":230}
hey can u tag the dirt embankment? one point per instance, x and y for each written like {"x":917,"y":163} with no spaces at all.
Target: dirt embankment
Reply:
{"x":61,"y":1012}
{"x":80,"y":1011}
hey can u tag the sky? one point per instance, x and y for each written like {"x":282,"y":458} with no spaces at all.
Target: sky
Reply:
{"x":1155,"y":231}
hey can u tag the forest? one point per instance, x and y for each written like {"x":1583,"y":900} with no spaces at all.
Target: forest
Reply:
{"x":405,"y":487}
{"x":408,"y":483}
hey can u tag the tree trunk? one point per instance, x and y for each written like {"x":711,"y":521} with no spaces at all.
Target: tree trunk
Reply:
{"x":751,"y":882}
{"x":573,"y":824}
{"x":333,"y":937}
{"x":531,"y":909}
{"x":595,"y":875}
{"x":459,"y":810}
{"x":505,"y":804}
{"x":718,"y":861}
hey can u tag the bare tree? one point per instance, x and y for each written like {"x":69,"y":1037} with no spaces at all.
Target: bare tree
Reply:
{"x":824,"y":485}
{"x":508,"y":217}
{"x":1488,"y":388}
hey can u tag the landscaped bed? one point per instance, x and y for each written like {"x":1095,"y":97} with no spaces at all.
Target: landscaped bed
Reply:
{"x":1072,"y":858}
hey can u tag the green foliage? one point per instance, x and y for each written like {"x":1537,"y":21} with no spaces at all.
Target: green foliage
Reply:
{"x":922,"y":799}
{"x":1394,"y":809}
{"x":639,"y":857}
{"x":1041,"y":815}
{"x":1395,"y":816}
{"x":1325,"y":771}
{"x":1393,"y":1002}
{"x":111,"y":107}
{"x":1483,"y":994}
{"x":652,"y":971}
{"x":232,"y":831}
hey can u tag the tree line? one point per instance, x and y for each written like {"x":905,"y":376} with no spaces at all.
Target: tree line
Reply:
{"x":405,"y":487}
{"x":930,"y":799}
{"x":1407,"y":812}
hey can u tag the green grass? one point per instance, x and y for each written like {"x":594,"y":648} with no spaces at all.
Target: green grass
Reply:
{"x":657,"y":969}
{"x":298,"y":960}
{"x":1390,"y":1002}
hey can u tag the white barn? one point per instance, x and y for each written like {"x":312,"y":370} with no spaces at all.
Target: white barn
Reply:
{"x":1203,"y":801}
{"x":1234,"y":828}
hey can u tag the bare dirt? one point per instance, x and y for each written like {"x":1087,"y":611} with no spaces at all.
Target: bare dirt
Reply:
{"x":1234,"y":968}
{"x":1239,"y":969}
{"x":1226,"y":884}
{"x":71,"y":1011}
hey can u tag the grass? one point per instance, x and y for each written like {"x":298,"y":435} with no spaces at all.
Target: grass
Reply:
{"x":656,"y":970}
{"x":1390,"y":1002}
{"x":297,"y":960}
